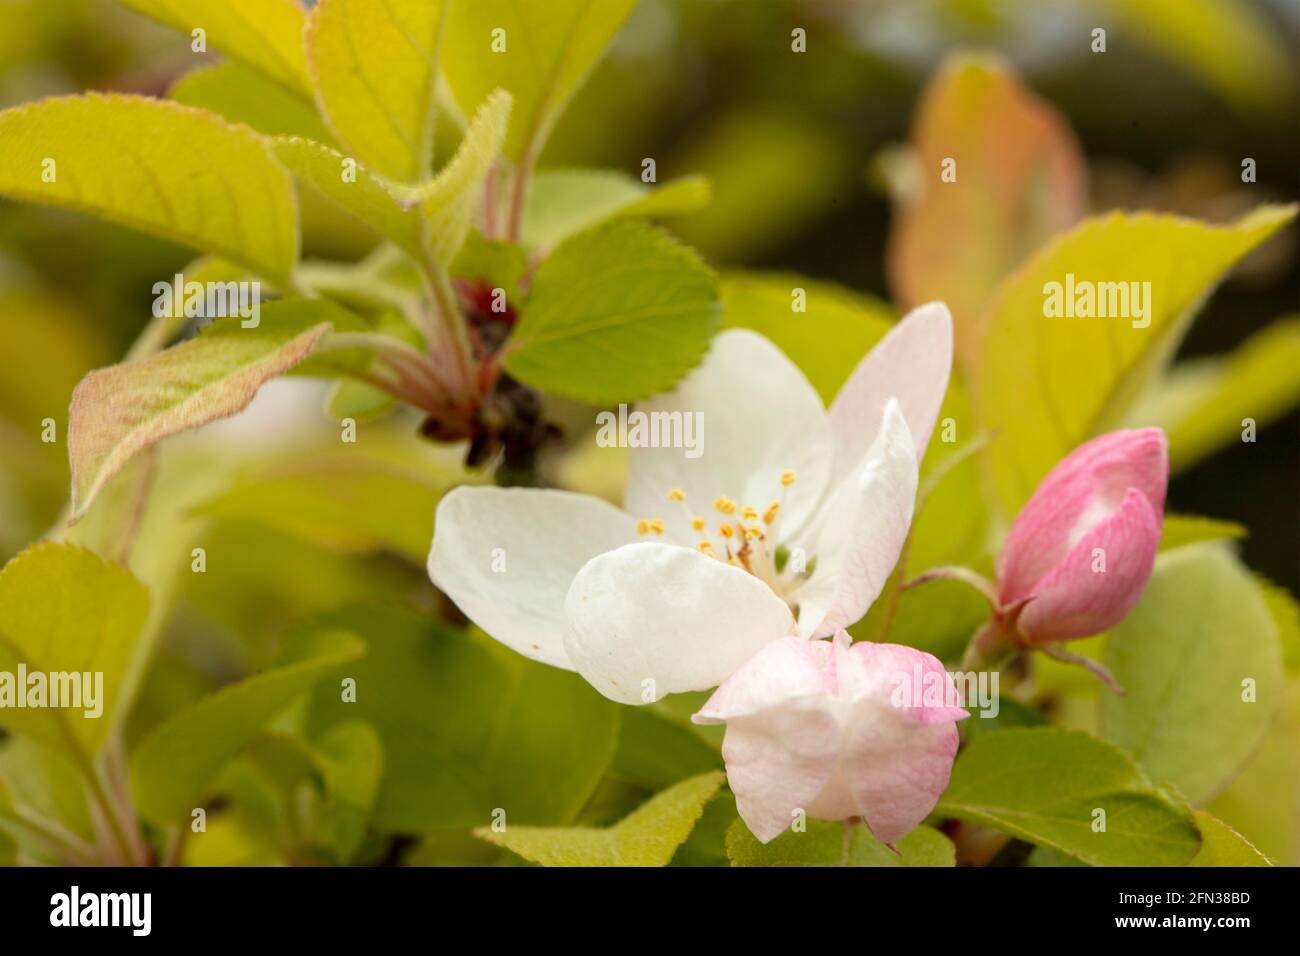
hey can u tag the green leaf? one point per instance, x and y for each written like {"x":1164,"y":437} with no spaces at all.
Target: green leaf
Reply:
{"x":1263,"y":802}
{"x":649,"y":836}
{"x":449,"y":201}
{"x":123,"y":409}
{"x":1221,"y":845}
{"x":428,"y":220}
{"x":156,"y":166}
{"x":826,"y":341}
{"x":366,"y":197}
{"x":617,"y":313}
{"x":353,"y":758}
{"x":1203,"y":403}
{"x":498,"y":263}
{"x":64,"y":609}
{"x":1286,"y":615}
{"x":467,"y":726}
{"x":1179,"y":531}
{"x":1200,"y":632}
{"x":830,"y":844}
{"x":241,"y":95}
{"x":1046,"y":384}
{"x":562,"y":202}
{"x":263,"y":34}
{"x":173,"y":765}
{"x":656,"y":750}
{"x":549,"y":50}
{"x":343,"y":504}
{"x":1044,"y":784}
{"x":376,"y":70}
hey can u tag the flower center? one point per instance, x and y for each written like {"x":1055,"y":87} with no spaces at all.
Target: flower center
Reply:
{"x":743,"y":536}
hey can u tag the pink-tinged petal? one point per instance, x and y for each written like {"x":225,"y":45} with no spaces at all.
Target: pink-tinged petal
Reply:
{"x":778,"y":760}
{"x":860,"y":532}
{"x":782,"y":671}
{"x":758,"y":416}
{"x":911,"y":364}
{"x":1085,"y":488}
{"x":910,"y":680}
{"x":651,"y":619}
{"x":895,"y":767}
{"x":1073,"y":600}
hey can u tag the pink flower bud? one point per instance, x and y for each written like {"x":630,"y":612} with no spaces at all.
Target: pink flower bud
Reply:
{"x":837,"y":730}
{"x":1081,"y":550}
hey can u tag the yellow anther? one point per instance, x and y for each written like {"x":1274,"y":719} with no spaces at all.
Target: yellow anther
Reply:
{"x":697,"y":524}
{"x":725,"y":505}
{"x":676,"y":494}
{"x":706,"y":545}
{"x":656,"y":525}
{"x":769,"y":517}
{"x":749,"y":514}
{"x":642,"y":526}
{"x":725,"y":530}
{"x":754,"y":532}
{"x":787,"y":478}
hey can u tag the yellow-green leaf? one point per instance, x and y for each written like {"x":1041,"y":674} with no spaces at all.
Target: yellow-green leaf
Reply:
{"x":171,"y":767}
{"x":376,"y":71}
{"x":562,"y":202}
{"x":831,"y":844}
{"x":1221,"y":845}
{"x":243,"y":95}
{"x":448,"y":202}
{"x":263,"y":34}
{"x":1179,"y":531}
{"x":549,"y":48}
{"x":1045,"y":383}
{"x":1201,"y":665}
{"x":646,"y":837}
{"x":1204,"y":404}
{"x":429,"y":220}
{"x":64,"y":609}
{"x":1019,"y":178}
{"x":344,"y":505}
{"x":353,"y":188}
{"x":120,"y":410}
{"x":157,"y":166}
{"x":827,"y":338}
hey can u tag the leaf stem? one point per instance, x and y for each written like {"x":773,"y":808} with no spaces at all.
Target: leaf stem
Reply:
{"x":519,"y":195}
{"x":953,"y":572}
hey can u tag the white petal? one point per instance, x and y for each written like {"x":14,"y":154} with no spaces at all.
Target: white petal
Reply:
{"x":666,"y":614}
{"x":760,"y":417}
{"x":860,"y":531}
{"x":911,"y":364}
{"x":516,"y":593}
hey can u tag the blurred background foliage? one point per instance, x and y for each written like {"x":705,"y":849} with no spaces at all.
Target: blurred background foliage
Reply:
{"x":803,"y":152}
{"x":797,"y":147}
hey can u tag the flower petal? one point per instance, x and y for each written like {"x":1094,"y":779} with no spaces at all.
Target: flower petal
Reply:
{"x":782,"y":671}
{"x":1073,"y":600}
{"x":671,"y":615}
{"x":1081,"y":491}
{"x":782,"y":735}
{"x":860,"y":531}
{"x":911,"y":363}
{"x":506,"y":558}
{"x":779,"y":760}
{"x":913,"y":681}
{"x":895,"y":766}
{"x":760,"y":417}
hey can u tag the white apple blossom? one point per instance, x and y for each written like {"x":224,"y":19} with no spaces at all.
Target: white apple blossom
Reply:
{"x":790,"y":523}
